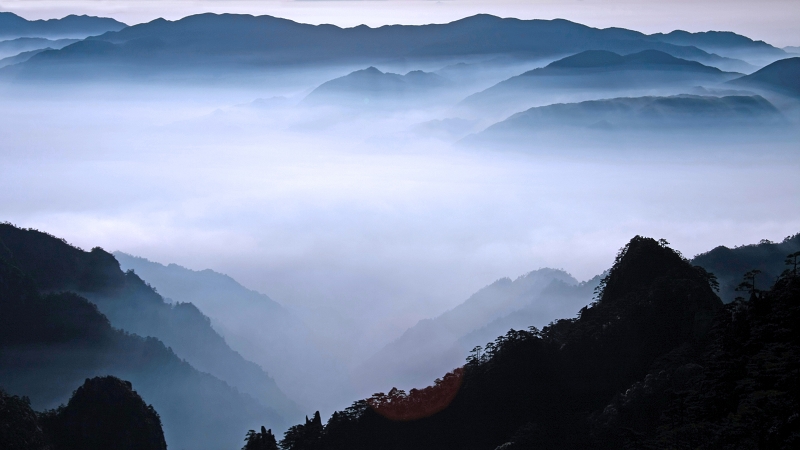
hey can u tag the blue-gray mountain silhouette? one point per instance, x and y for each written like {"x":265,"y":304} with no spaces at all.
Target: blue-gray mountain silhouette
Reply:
{"x":13,"y":47}
{"x":242,"y":42}
{"x":642,"y":113}
{"x":371,"y":86}
{"x":21,"y":57}
{"x":596,"y":73}
{"x":724,"y":43}
{"x":72,"y":26}
{"x":782,"y":76}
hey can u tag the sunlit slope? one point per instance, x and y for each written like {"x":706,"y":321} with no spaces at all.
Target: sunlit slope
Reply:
{"x":215,"y":44}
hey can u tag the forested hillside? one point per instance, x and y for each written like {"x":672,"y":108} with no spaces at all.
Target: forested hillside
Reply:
{"x":52,"y":339}
{"x":657,"y":361}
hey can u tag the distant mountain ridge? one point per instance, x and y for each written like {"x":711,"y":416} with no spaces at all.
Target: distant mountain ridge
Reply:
{"x":434,"y":346}
{"x":595,"y":74}
{"x":370,"y":85}
{"x":259,"y":328}
{"x":782,"y":76}
{"x":71,"y":26}
{"x":239,"y":42}
{"x":690,"y":112}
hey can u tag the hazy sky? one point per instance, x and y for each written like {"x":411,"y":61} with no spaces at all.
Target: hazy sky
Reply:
{"x":774,"y":21}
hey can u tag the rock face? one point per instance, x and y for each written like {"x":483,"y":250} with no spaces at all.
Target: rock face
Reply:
{"x":102,"y":414}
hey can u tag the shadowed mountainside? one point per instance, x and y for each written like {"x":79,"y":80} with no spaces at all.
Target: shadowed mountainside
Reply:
{"x":52,"y":339}
{"x":256,"y":326}
{"x":550,"y":387}
{"x":730,"y":264}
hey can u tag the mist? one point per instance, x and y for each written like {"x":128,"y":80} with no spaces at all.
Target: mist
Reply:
{"x":361,"y":208}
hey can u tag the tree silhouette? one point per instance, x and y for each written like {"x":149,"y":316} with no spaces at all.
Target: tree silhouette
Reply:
{"x":263,"y":440}
{"x":749,"y":283}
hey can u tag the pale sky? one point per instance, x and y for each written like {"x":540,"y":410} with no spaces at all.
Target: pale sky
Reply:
{"x":775,"y":21}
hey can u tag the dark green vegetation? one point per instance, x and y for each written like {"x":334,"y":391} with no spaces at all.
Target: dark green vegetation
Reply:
{"x":657,"y":361}
{"x":52,"y":338}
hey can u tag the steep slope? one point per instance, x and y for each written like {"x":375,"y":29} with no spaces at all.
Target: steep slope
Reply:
{"x":227,"y":43}
{"x":730,"y":264}
{"x":781,"y":76}
{"x":72,"y":26}
{"x":595,"y":74}
{"x":132,"y":305}
{"x":543,"y":386}
{"x":431,"y":347}
{"x":259,"y":328}
{"x":51,"y":342}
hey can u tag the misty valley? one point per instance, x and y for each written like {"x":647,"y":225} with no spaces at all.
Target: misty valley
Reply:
{"x":233,"y":231}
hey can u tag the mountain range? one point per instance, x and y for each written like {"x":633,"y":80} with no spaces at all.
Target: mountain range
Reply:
{"x":228,"y":43}
{"x":72,"y":26}
{"x":596,"y":74}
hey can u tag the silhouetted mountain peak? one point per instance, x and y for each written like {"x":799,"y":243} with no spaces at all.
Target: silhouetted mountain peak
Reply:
{"x":638,"y":264}
{"x":105,"y":413}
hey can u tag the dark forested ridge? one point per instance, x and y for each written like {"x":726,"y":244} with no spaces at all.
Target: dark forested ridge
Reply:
{"x":730,"y":264}
{"x":657,"y":361}
{"x":104,"y":413}
{"x":52,"y":339}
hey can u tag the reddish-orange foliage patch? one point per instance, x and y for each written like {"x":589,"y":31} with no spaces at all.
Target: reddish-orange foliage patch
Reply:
{"x":418,"y":403}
